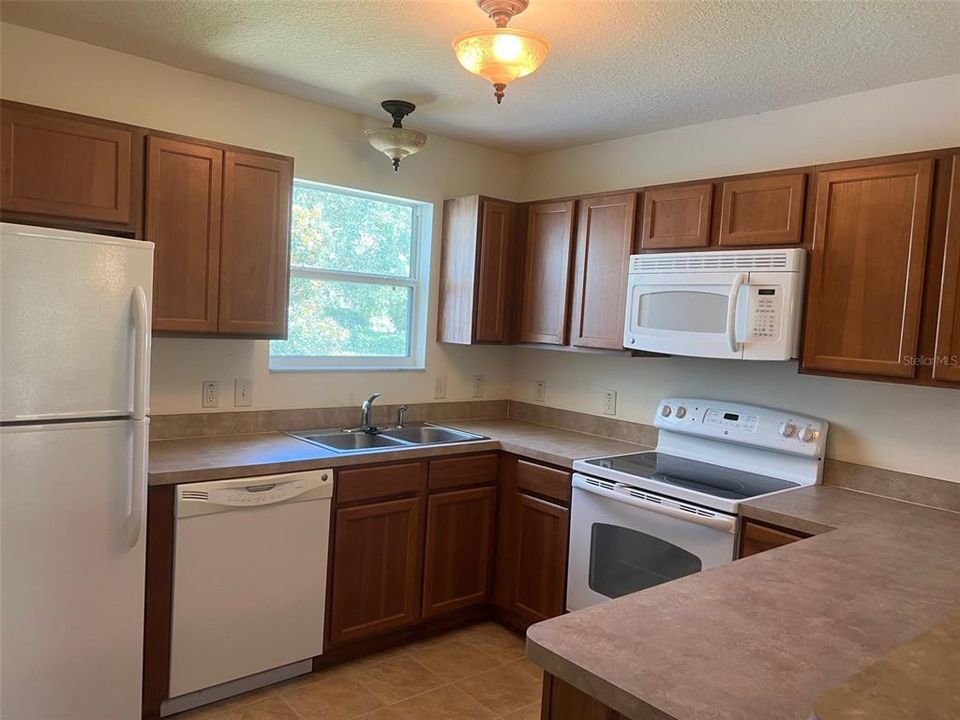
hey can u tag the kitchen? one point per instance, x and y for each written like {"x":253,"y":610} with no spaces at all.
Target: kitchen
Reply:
{"x":451,"y":536}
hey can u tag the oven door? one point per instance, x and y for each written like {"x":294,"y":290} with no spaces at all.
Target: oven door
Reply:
{"x":623,"y":539}
{"x":698,"y":314}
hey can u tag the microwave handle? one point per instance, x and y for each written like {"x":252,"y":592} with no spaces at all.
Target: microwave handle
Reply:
{"x":732,"y":304}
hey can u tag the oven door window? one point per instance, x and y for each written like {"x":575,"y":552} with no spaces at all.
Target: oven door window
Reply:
{"x":623,"y":561}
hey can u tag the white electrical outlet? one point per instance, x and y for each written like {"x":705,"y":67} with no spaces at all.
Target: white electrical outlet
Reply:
{"x":609,"y":402}
{"x":210,"y":397}
{"x":541,"y":392}
{"x":440,"y":388}
{"x":242,"y":392}
{"x":478,"y":386}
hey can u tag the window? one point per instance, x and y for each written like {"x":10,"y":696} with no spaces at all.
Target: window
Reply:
{"x":357,"y":264}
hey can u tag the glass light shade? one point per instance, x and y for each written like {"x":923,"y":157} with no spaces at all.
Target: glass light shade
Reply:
{"x":396,"y":143}
{"x":501,"y":55}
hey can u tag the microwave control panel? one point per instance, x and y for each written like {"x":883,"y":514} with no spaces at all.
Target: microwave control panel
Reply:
{"x":765,"y":307}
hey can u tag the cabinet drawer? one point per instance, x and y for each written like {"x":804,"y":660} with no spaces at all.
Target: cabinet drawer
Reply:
{"x":756,"y":538}
{"x":545,"y":481}
{"x":379,"y":482}
{"x":463,"y":471}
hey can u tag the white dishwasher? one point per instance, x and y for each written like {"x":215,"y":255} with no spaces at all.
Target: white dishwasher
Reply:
{"x":250,"y":575}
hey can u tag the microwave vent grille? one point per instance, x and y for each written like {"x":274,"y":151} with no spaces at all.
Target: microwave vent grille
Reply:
{"x":711,"y":261}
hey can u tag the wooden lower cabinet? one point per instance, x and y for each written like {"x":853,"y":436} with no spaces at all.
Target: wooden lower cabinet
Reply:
{"x":376,"y":569}
{"x":562,"y":701}
{"x":757,"y":538}
{"x":459,"y":549}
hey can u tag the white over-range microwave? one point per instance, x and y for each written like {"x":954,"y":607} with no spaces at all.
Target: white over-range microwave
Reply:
{"x":741,"y":304}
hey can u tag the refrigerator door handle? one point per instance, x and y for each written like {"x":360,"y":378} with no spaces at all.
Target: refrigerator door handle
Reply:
{"x":133,"y":525}
{"x":141,"y":356}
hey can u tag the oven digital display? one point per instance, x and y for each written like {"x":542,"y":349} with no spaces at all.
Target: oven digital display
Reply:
{"x":731,"y":416}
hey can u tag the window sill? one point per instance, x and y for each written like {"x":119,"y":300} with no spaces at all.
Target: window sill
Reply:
{"x":341,"y":369}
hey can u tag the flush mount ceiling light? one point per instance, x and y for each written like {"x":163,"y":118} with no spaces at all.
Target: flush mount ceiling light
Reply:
{"x":501,"y":55}
{"x":397,"y":142}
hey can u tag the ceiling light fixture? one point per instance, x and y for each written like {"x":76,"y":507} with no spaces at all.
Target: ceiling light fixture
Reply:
{"x":397,"y":142}
{"x":501,"y":55}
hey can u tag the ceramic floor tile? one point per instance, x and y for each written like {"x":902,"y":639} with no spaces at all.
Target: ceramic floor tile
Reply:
{"x":399,"y":678}
{"x":528,"y":712}
{"x":338,"y":696}
{"x":216,"y":710}
{"x":446,"y":703}
{"x":453,"y":659}
{"x":506,"y":688}
{"x":495,"y":640}
{"x":271,"y":708}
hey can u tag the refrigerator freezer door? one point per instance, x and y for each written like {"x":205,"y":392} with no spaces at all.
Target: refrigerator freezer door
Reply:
{"x":72,"y":570}
{"x":69,"y":308}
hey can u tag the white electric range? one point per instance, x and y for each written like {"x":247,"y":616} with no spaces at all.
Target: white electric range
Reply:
{"x":641,"y":519}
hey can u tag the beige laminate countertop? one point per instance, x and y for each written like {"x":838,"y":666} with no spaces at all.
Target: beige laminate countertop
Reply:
{"x":765,"y":637}
{"x":230,"y":456}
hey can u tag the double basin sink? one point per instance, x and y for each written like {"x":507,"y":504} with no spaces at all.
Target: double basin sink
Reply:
{"x":390,"y":438}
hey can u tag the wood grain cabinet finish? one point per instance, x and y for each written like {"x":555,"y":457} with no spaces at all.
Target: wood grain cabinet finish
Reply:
{"x":541,"y":558}
{"x":766,"y":210}
{"x":184,"y":194}
{"x":757,"y":538}
{"x":562,"y":701}
{"x":475,"y":270}
{"x":458,"y":557}
{"x":676,"y":217}
{"x":546,"y":278}
{"x":946,"y":366}
{"x":605,"y":233}
{"x":376,"y":569}
{"x":867,"y":269}
{"x":254,"y":266}
{"x":458,"y":472}
{"x":69,"y":168}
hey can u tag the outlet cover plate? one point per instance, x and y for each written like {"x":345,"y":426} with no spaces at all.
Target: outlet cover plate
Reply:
{"x":440,"y":388}
{"x":210,"y":394}
{"x":478,"y":386}
{"x":609,"y":402}
{"x":540,"y":393}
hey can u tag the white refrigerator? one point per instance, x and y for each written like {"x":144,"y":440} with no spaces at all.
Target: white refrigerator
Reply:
{"x":74,"y":389}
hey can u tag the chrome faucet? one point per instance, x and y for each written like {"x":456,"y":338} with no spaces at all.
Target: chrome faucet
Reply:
{"x":401,"y":413}
{"x":365,"y":411}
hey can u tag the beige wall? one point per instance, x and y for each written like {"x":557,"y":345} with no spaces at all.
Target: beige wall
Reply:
{"x":915,"y":430}
{"x":328,"y":146}
{"x":911,"y":429}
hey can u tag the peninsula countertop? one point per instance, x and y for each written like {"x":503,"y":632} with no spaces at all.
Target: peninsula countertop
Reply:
{"x":766,"y":636}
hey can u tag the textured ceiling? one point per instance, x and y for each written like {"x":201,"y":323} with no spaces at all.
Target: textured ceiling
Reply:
{"x":617,"y":67}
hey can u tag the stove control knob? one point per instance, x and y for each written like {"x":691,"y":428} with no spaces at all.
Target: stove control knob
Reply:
{"x":681,"y":412}
{"x":787,"y":430}
{"x":666,"y":411}
{"x":808,"y":434}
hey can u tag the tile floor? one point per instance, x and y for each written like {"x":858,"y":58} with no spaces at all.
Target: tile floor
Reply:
{"x":477,"y":673}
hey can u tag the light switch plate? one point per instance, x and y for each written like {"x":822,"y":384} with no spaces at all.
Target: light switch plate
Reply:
{"x":210,"y":396}
{"x":609,"y":402}
{"x":242,"y":392}
{"x":440,"y":388}
{"x":478,"y":383}
{"x":541,"y":392}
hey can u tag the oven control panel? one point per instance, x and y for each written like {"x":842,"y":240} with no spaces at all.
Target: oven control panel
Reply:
{"x":753,"y":425}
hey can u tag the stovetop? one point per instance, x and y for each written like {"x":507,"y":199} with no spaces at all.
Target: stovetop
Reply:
{"x":693,"y":475}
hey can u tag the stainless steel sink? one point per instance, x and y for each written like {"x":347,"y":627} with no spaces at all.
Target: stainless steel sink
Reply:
{"x":388,"y":438}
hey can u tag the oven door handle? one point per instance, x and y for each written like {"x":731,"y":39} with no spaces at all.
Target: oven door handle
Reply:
{"x":673,"y":508}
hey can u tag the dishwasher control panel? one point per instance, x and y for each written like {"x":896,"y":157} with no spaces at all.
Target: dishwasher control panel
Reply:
{"x":253,"y":492}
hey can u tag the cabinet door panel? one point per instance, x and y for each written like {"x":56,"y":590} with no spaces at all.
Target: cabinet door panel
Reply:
{"x":604,"y":241}
{"x":492,"y":277}
{"x":867,"y":267}
{"x":254,"y":269}
{"x":762,"y":211}
{"x":184,"y":192}
{"x":547,"y":273}
{"x":677,"y":217}
{"x":376,"y":569}
{"x":459,"y":549}
{"x":947,"y":365}
{"x":66,"y":168}
{"x":541,"y":558}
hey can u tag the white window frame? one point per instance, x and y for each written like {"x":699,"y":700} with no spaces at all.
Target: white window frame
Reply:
{"x":418,"y":282}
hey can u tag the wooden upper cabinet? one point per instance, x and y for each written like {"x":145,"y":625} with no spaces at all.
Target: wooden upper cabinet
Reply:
{"x":69,"y":168}
{"x":184,"y":192}
{"x":475,"y":272}
{"x":376,"y":569}
{"x":766,"y":210}
{"x":254,"y":266}
{"x":459,"y":549}
{"x":676,"y":217}
{"x":867,"y":267}
{"x":604,"y":241}
{"x":947,"y":353}
{"x":546,"y":277}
